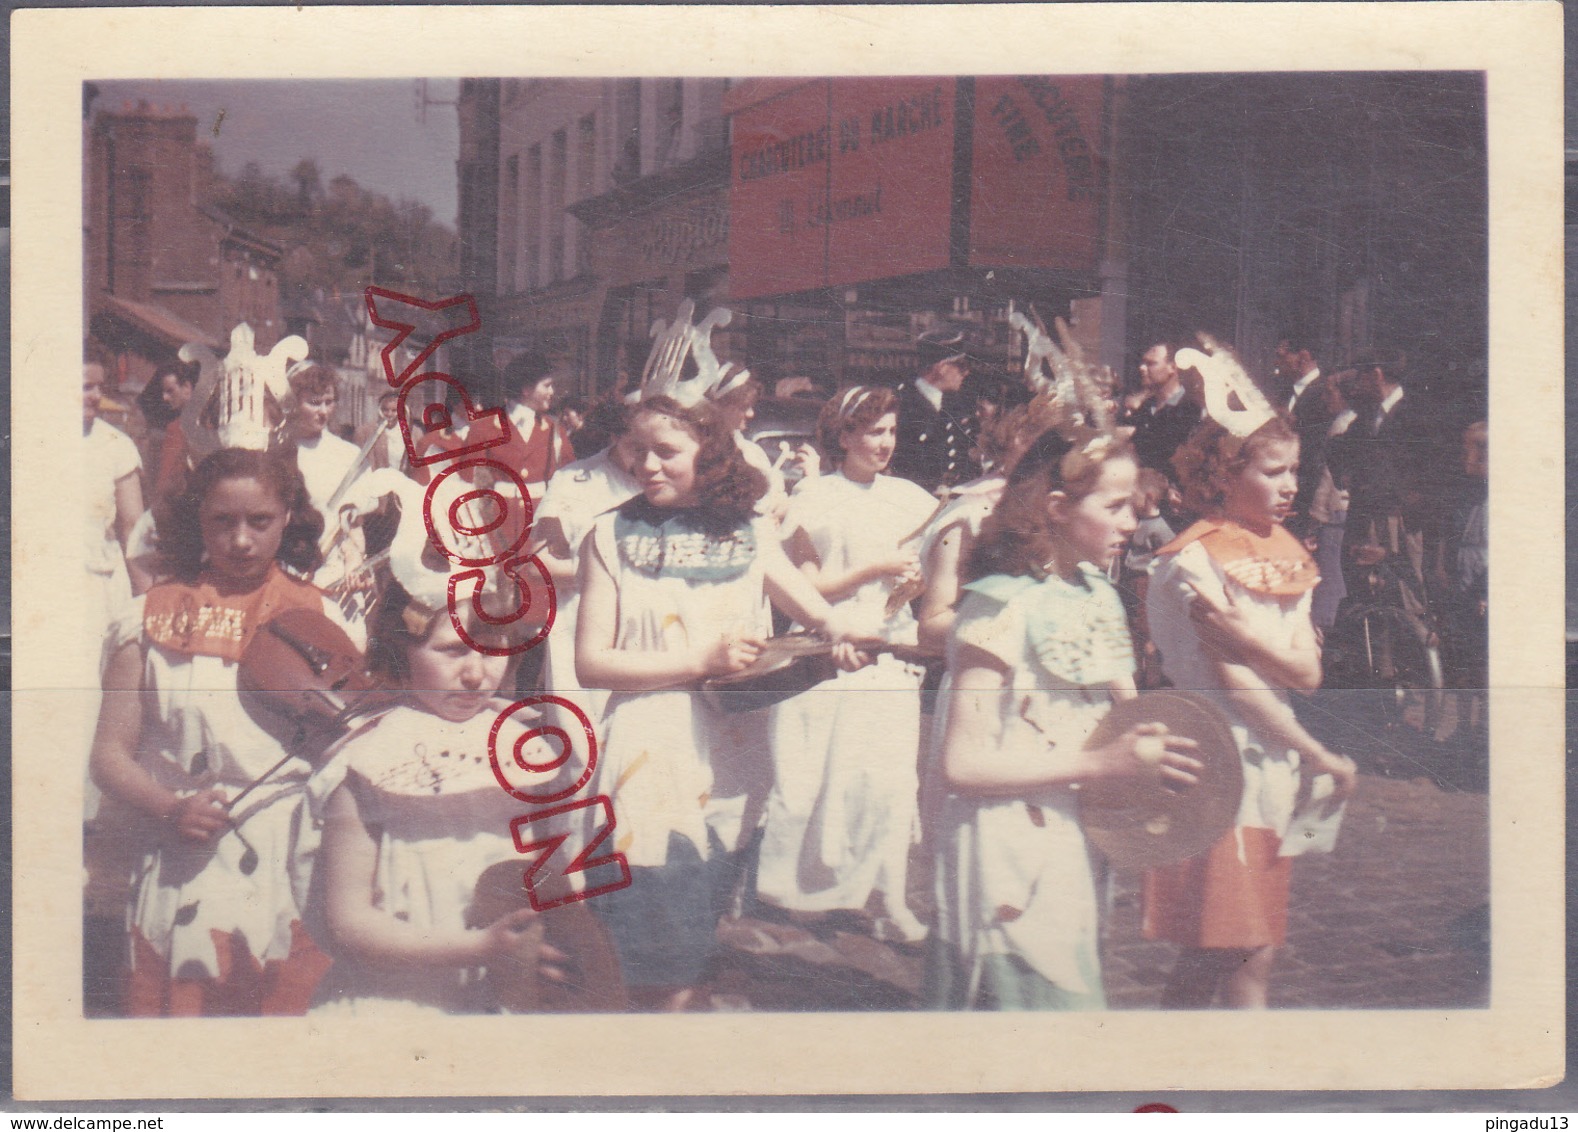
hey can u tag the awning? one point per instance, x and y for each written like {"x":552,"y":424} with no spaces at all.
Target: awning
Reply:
{"x":161,"y":324}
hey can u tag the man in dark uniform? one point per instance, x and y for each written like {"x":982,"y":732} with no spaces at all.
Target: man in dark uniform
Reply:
{"x":936,"y":422}
{"x":1164,"y":420}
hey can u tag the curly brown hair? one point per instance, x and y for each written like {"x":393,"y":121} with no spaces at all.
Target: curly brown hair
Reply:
{"x":1212,"y":453}
{"x":727,"y":488}
{"x":313,"y":381}
{"x":1017,"y":539}
{"x":180,"y":525}
{"x":854,"y":410}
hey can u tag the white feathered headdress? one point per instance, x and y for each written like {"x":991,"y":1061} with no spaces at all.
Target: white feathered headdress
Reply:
{"x":680,"y":341}
{"x":1232,"y":399}
{"x":239,"y":391}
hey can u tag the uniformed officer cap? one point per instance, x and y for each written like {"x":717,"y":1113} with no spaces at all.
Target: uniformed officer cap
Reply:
{"x":942,"y":344}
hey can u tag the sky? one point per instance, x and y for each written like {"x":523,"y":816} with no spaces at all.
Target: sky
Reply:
{"x":367,"y":128}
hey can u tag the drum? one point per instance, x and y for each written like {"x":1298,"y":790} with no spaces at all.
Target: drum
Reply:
{"x":1139,"y":823}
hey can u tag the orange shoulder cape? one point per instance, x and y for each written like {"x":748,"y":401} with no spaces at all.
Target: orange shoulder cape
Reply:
{"x":198,"y":620}
{"x":1276,"y":565}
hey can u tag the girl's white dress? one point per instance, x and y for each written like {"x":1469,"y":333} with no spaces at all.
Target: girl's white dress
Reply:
{"x":196,"y":735}
{"x":843,"y":810}
{"x":1271,"y":769}
{"x":577,"y":495}
{"x":109,"y":456}
{"x":427,"y":791}
{"x":670,"y":764}
{"x":1014,"y":874}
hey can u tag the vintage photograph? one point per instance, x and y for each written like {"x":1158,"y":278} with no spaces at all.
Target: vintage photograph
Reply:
{"x":942,"y":378}
{"x":878,"y":544}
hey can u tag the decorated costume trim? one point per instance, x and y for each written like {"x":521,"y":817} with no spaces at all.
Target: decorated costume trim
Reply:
{"x":682,"y":544}
{"x":198,"y":620}
{"x":1276,"y":565}
{"x":1076,"y":630}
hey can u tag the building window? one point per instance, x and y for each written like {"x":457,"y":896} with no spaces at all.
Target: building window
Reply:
{"x":533,"y":216}
{"x":670,"y":121}
{"x":585,"y":186}
{"x":131,"y":210}
{"x":586,"y":158}
{"x":509,"y":223}
{"x":558,"y":218}
{"x":627,"y":131}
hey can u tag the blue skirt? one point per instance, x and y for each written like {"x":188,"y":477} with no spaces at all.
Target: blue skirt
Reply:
{"x":664,"y":923}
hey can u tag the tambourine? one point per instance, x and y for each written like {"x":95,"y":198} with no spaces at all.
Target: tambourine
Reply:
{"x":594,"y":984}
{"x":1139,"y":823}
{"x":788,"y":665}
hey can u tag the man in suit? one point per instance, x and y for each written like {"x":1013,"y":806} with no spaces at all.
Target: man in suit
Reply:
{"x":1388,"y":457}
{"x":936,"y":421}
{"x":1166,"y":416}
{"x":1307,"y":404}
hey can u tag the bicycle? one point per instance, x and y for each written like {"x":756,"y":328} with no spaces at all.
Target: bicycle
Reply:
{"x":1387,"y":643}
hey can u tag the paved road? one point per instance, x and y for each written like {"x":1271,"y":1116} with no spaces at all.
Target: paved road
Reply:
{"x":1392,"y":919}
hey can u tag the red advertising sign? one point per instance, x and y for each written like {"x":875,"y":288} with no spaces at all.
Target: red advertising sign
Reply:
{"x":781,"y":154}
{"x":887,"y":209}
{"x":840,"y":181}
{"x":1037,"y":179}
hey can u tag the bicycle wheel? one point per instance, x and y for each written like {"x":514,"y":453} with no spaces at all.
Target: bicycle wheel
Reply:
{"x":1396,"y":656}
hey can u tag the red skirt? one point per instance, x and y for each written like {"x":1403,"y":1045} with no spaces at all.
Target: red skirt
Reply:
{"x":245,"y":987}
{"x":1220,"y":900}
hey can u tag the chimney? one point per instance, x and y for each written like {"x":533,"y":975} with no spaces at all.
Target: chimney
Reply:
{"x":202,"y":174}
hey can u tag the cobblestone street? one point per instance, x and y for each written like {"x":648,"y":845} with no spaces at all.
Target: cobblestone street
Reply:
{"x":1395,"y":918}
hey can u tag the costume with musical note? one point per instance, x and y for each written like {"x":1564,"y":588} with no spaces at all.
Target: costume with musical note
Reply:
{"x":426,"y":789}
{"x":1017,"y":922}
{"x":209,"y":934}
{"x":842,"y":814}
{"x":1235,"y":896}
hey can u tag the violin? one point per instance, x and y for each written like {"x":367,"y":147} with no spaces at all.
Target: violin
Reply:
{"x":303,"y":681}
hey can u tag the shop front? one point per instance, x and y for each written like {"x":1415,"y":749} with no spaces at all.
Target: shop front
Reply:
{"x":864,"y":210}
{"x":650,"y":246}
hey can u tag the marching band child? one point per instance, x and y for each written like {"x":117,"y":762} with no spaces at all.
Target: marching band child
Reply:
{"x":412,"y":814}
{"x":1040,"y":649}
{"x":1229,"y":609}
{"x":843,"y":812}
{"x":671,"y":585}
{"x":214,"y":926}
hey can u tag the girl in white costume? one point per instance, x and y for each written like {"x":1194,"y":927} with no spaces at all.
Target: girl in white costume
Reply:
{"x":577,"y":495}
{"x":1040,"y":649}
{"x":671,"y":594}
{"x":411,"y":815}
{"x":1229,"y":610}
{"x":843,"y":811}
{"x":215,"y":928}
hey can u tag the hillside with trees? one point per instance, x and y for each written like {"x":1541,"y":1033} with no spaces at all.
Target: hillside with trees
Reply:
{"x":340,"y":237}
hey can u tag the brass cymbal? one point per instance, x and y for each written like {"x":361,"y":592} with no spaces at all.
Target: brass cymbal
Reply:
{"x":594,"y":984}
{"x":1139,"y":823}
